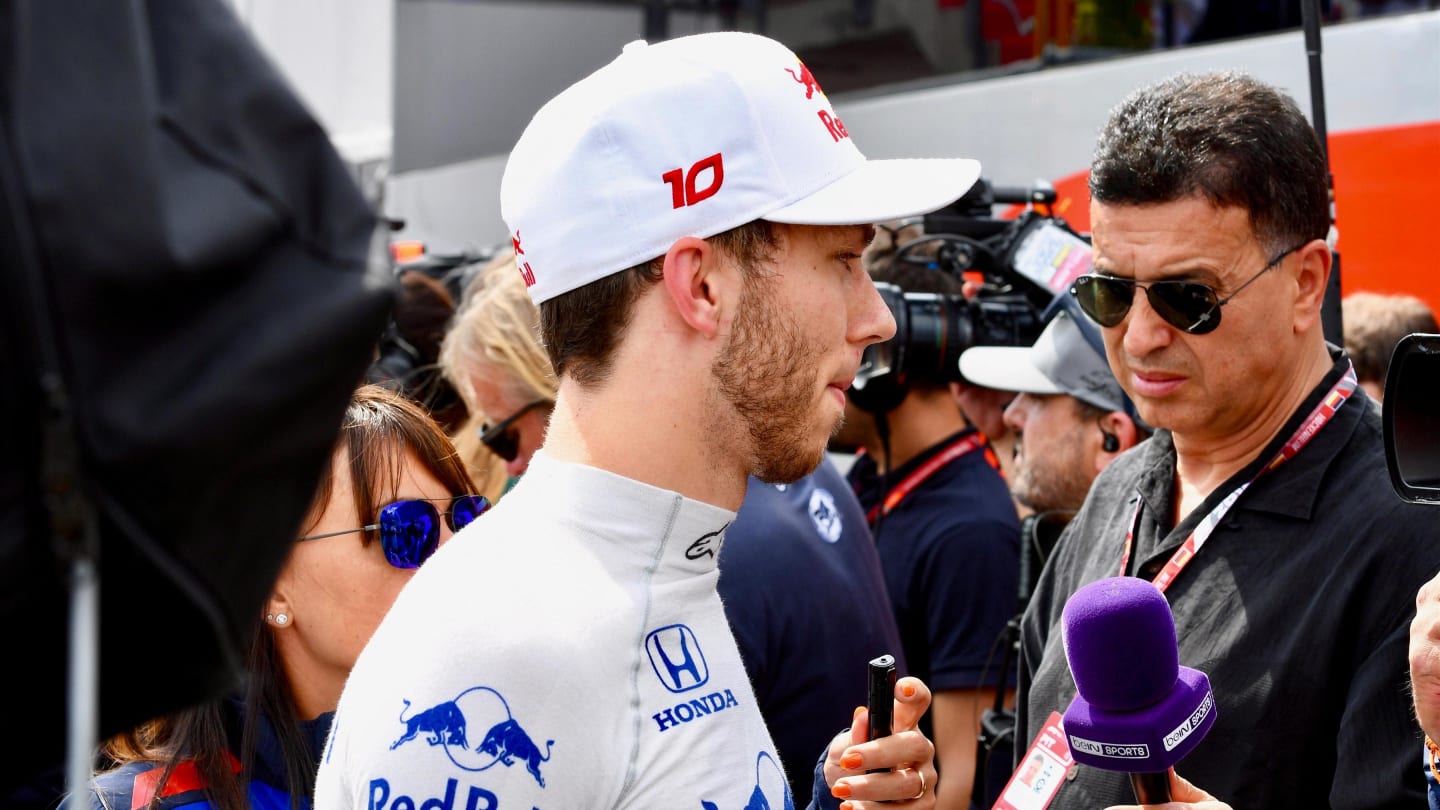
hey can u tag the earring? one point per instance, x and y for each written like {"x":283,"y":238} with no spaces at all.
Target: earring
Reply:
{"x":281,"y":619}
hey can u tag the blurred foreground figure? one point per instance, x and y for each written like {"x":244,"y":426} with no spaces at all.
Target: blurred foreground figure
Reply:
{"x":189,"y":301}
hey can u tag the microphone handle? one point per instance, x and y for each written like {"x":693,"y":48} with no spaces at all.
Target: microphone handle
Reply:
{"x":1151,"y":788}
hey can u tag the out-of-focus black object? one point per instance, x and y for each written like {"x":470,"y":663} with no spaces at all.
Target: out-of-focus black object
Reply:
{"x":1411,"y":418}
{"x":192,"y":285}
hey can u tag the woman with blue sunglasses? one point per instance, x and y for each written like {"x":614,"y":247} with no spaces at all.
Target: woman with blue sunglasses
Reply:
{"x":394,"y":490}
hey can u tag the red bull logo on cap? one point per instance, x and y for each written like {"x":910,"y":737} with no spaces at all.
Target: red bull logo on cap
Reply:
{"x":806,"y":79}
{"x":828,"y":118}
{"x":525,"y":271}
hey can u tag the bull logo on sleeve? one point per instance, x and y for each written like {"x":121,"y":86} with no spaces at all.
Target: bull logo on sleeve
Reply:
{"x":447,"y":725}
{"x":772,"y":791}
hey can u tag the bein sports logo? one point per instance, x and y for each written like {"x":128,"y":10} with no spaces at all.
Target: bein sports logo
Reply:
{"x":448,"y":724}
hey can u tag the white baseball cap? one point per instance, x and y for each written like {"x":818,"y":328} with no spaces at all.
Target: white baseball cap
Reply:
{"x":694,"y":136}
{"x":1061,"y":361}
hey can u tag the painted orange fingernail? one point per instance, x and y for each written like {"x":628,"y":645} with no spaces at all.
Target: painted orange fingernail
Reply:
{"x":846,"y":806}
{"x":850,"y":762}
{"x":856,"y":715}
{"x":841,"y":791}
{"x":909,"y":690}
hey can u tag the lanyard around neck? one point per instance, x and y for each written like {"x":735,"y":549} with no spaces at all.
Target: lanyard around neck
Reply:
{"x":961,"y":446}
{"x":1317,"y":419}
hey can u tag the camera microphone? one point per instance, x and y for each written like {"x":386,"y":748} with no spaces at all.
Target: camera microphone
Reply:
{"x":1137,"y":710}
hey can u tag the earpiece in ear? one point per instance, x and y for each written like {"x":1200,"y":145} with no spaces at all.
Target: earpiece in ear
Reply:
{"x":1110,"y":443}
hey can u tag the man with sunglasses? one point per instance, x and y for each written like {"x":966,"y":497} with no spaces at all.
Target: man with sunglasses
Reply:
{"x":689,"y":219}
{"x":1261,"y":505}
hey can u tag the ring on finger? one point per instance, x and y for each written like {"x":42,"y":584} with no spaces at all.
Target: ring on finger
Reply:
{"x":923,"y":786}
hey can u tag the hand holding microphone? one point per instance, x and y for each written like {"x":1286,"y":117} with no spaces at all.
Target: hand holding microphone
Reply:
{"x":1137,"y":710}
{"x":1183,"y":795}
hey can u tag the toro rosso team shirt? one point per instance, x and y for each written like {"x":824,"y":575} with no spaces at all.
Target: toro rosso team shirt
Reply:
{"x":565,"y":650}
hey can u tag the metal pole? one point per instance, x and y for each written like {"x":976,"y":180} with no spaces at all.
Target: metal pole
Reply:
{"x":84,"y":676}
{"x":1330,"y":317}
{"x":657,"y":20}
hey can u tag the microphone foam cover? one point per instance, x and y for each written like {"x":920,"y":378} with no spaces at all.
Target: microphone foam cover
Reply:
{"x":1119,"y":637}
{"x":1137,"y":710}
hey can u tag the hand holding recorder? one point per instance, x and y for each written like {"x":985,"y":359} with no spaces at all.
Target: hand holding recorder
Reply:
{"x":898,"y":767}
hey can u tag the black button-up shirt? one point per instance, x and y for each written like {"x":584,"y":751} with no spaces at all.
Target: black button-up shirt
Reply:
{"x":1297,"y":607}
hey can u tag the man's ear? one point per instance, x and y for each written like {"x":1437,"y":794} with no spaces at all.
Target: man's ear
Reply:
{"x":699,"y":284}
{"x":1311,"y":280}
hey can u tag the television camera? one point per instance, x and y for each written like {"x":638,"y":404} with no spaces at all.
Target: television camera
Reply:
{"x":1021,"y":265}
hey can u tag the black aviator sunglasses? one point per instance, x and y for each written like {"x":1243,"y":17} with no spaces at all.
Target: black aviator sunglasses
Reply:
{"x":410,"y":529}
{"x":1186,"y":305}
{"x":502,"y":439}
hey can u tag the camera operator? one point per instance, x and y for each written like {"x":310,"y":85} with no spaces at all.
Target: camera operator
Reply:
{"x":983,"y":408}
{"x":947,"y":533}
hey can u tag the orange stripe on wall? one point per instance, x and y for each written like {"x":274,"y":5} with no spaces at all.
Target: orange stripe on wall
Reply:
{"x":1386,"y":184}
{"x":1387,"y":180}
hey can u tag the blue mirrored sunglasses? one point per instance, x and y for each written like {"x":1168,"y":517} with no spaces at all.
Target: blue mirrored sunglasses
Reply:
{"x":410,"y":529}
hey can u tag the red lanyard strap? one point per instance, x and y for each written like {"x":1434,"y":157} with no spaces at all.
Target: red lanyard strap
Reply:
{"x":1317,"y":419}
{"x":956,"y":449}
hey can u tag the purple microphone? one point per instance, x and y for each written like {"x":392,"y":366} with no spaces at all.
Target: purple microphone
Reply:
{"x":1137,"y":710}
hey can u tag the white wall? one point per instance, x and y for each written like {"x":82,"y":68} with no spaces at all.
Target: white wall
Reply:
{"x":339,"y":56}
{"x":1043,"y":125}
{"x":1379,"y":72}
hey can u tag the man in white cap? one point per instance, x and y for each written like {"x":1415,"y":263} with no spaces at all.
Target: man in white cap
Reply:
{"x":689,"y":219}
{"x":1071,"y":415}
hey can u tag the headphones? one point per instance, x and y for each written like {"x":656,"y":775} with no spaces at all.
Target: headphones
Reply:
{"x":1111,"y":442}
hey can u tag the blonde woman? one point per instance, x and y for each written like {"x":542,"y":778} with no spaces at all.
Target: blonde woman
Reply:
{"x":493,"y":356}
